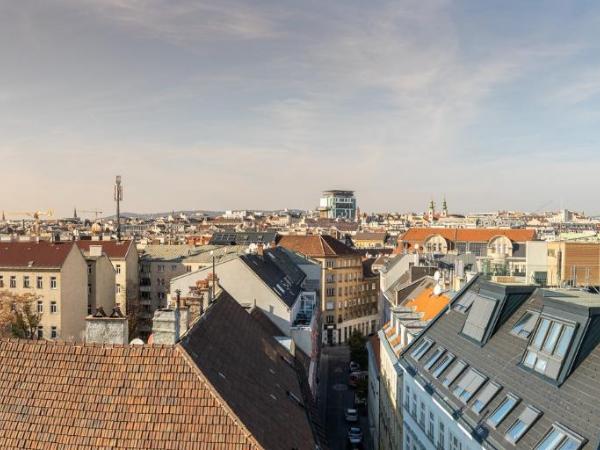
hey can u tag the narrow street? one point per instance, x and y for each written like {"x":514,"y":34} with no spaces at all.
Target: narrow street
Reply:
{"x":336,"y":396}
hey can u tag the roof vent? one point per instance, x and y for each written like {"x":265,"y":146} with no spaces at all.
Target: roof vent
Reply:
{"x":116,"y":312}
{"x":99,"y":312}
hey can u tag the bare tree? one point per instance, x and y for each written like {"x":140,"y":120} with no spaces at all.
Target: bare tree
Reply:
{"x":18,"y":317}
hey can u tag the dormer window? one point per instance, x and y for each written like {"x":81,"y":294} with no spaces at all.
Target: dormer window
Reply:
{"x":549,"y":347}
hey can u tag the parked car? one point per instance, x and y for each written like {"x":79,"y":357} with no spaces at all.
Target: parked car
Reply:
{"x":351,"y":415}
{"x":355,"y":376}
{"x":355,"y":435}
{"x":354,"y":366}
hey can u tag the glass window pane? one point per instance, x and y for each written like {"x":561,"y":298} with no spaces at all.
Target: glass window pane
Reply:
{"x":570,"y":444}
{"x":541,"y":333}
{"x":515,"y":431}
{"x":530,"y":359}
{"x":552,"y":337}
{"x":551,"y":441}
{"x":563,"y":343}
{"x":502,"y":411}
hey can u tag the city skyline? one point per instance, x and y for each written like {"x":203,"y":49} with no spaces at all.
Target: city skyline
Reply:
{"x":237,"y":105}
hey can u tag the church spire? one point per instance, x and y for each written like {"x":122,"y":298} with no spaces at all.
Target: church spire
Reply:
{"x":444,"y":208}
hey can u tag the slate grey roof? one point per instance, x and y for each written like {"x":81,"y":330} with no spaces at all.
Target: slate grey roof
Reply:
{"x":278,"y":272}
{"x":243,"y":238}
{"x":166,"y":252}
{"x":574,"y":403}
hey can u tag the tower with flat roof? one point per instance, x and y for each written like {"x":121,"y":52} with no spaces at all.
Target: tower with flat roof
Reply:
{"x":338,"y":204}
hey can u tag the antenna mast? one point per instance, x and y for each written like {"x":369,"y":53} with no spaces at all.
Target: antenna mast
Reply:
{"x":118,"y":198}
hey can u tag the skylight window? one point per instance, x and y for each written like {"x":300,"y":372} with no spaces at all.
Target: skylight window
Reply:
{"x":549,"y":347}
{"x":446,"y":361}
{"x":560,"y":438}
{"x":468,"y":385}
{"x":421,"y":349}
{"x":522,"y":424}
{"x":463,"y":304}
{"x":453,"y":373}
{"x":434,"y":358}
{"x":503,"y":410}
{"x":485,"y":397}
{"x":525,"y":325}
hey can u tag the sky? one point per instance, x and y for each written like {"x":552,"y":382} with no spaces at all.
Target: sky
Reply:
{"x":263,"y":104}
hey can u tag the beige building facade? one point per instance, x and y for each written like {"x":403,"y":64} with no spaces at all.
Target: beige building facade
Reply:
{"x":56,"y":273}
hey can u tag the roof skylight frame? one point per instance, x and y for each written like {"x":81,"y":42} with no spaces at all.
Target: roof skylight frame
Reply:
{"x":560,"y":437}
{"x":497,"y":416}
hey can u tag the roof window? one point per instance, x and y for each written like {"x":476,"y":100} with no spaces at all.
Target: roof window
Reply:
{"x":454,"y":372}
{"x":522,"y":424}
{"x":485,"y":397}
{"x":421,"y":349}
{"x":468,"y":385}
{"x":434,"y":358}
{"x":560,"y":438}
{"x":503,"y":410}
{"x":524,"y":327}
{"x":446,"y":361}
{"x":463,"y":304}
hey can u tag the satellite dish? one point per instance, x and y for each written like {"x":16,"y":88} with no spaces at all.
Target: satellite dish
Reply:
{"x":437,"y":290}
{"x":437,"y":275}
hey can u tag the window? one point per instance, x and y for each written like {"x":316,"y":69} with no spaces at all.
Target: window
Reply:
{"x":53,"y":333}
{"x":407,"y":398}
{"x":89,"y":289}
{"x":39,"y":283}
{"x":434,"y":358}
{"x":560,"y":438}
{"x":40,"y":306}
{"x":52,"y":282}
{"x":453,"y":373}
{"x":173,"y":267}
{"x":422,"y":415}
{"x":53,"y":307}
{"x":89,"y":269}
{"x":525,"y":325}
{"x":89,"y":309}
{"x":441,"y":443}
{"x":118,"y":288}
{"x":468,"y":385}
{"x":330,"y":292}
{"x":118,"y":268}
{"x":13,"y":281}
{"x":463,"y":304}
{"x":522,"y":424}
{"x":160,"y":268}
{"x":421,"y":349}
{"x":455,"y":444}
{"x":1,"y":281}
{"x":40,"y":332}
{"x":549,"y":347}
{"x":26,"y":284}
{"x":431,"y":428}
{"x":446,"y":361}
{"x":485,"y":396}
{"x":503,"y":410}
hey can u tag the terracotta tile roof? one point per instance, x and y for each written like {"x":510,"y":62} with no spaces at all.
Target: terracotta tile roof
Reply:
{"x":114,"y":249}
{"x":428,"y":304}
{"x":252,"y":373}
{"x":221,"y":388}
{"x":467,"y":235}
{"x":316,"y":246}
{"x":56,"y":395}
{"x":41,"y":254}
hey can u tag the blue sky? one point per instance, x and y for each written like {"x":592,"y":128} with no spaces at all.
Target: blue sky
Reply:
{"x":263,"y":104}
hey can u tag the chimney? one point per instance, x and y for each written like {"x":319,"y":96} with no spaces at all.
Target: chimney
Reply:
{"x":101,"y":329}
{"x":168,"y":325}
{"x":95,"y":250}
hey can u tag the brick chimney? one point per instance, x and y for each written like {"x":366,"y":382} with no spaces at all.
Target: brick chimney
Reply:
{"x":103,"y":329}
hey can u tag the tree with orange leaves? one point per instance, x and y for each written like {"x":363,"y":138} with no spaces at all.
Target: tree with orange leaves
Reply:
{"x":18,"y":317}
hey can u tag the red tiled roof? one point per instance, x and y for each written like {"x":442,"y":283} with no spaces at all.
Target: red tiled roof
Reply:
{"x":428,"y":304}
{"x":467,"y":235}
{"x":56,"y":395}
{"x":42,"y":254}
{"x":114,"y":249}
{"x":317,"y":246}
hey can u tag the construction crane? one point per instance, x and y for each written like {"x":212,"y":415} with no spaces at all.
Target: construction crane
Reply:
{"x":96,"y":212}
{"x":36,"y":215}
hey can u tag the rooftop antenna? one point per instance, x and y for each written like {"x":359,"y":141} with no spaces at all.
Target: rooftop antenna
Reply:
{"x":118,"y":198}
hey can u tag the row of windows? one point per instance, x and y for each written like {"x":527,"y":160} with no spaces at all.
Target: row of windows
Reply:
{"x":331,"y":263}
{"x":26,"y":282}
{"x":53,"y":332}
{"x":53,"y":307}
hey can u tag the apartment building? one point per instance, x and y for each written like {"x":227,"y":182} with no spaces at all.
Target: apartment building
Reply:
{"x":507,"y":366}
{"x":101,"y":281}
{"x":349,"y":287}
{"x":416,"y":306}
{"x":57,"y":274}
{"x":125,"y":260}
{"x":575,"y":264}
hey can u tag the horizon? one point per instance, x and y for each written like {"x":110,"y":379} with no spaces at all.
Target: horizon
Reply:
{"x":221,"y":106}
